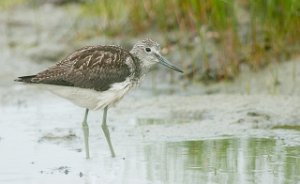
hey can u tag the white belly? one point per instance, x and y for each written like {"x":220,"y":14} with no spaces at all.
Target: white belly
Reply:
{"x":89,"y":98}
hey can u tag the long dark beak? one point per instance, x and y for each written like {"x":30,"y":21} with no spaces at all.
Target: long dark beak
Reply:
{"x":167,"y":63}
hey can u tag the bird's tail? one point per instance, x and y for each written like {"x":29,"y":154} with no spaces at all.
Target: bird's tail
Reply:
{"x":26,"y":79}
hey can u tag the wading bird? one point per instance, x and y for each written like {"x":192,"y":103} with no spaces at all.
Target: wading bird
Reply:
{"x":96,"y":77}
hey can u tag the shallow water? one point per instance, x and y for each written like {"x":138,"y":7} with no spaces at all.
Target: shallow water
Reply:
{"x":218,"y":160}
{"x":223,"y":160}
{"x":223,"y":139}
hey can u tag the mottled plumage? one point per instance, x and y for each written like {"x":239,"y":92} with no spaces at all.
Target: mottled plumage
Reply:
{"x":97,"y":77}
{"x":92,"y":67}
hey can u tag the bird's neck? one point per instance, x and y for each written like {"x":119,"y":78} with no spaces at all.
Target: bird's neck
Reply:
{"x":142,"y":66}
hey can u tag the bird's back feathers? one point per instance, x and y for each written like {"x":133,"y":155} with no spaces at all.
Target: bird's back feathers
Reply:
{"x":93,"y":67}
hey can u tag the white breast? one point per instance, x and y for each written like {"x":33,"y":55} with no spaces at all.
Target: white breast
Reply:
{"x":89,"y":98}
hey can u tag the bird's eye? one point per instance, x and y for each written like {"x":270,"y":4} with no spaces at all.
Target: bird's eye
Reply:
{"x":147,"y":49}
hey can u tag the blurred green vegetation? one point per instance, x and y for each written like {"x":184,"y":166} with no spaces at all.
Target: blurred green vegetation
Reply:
{"x":251,"y":32}
{"x":255,"y":32}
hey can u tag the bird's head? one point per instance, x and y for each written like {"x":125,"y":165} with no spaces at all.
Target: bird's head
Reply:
{"x":148,"y":52}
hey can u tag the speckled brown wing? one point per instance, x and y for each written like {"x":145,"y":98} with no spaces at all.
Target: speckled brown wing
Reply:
{"x":94,"y":67}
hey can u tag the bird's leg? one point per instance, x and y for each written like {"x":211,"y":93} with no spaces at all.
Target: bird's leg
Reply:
{"x":85,"y":128}
{"x":106,"y":132}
